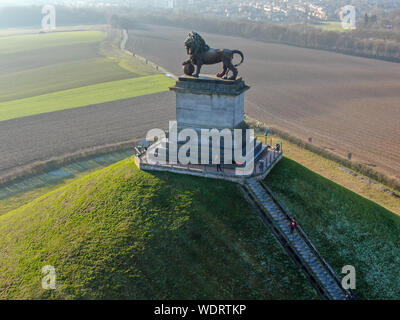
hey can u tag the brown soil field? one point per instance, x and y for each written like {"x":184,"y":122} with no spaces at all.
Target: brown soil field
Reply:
{"x":28,"y":140}
{"x":345,"y":103}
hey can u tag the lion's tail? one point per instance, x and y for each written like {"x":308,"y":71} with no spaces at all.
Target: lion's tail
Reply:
{"x":239,"y":53}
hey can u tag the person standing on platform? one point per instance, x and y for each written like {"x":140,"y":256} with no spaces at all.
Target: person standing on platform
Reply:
{"x":218,"y":161}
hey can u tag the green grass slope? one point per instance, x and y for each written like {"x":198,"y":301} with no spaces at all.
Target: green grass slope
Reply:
{"x":347,"y":228}
{"x":125,"y":233}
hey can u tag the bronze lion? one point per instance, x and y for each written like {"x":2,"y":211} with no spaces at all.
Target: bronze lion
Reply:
{"x":200,"y":53}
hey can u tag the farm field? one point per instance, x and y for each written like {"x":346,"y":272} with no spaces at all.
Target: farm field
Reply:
{"x":31,"y":42}
{"x":111,"y":234}
{"x":25,"y":31}
{"x":68,"y":75}
{"x":37,"y":64}
{"x":84,"y":96}
{"x":46,"y":78}
{"x":346,"y":104}
{"x":28,"y":140}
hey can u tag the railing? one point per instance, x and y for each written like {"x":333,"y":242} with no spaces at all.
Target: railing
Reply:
{"x":269,"y":164}
{"x":225,"y":171}
{"x":307,"y":240}
{"x":285,"y":242}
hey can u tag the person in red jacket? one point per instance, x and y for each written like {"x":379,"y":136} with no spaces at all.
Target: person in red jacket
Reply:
{"x":293,"y":225}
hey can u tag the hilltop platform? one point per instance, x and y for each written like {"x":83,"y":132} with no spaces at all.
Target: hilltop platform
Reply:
{"x":268,"y":160}
{"x":210,"y":124}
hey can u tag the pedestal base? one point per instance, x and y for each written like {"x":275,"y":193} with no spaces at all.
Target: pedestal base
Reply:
{"x":209,"y":102}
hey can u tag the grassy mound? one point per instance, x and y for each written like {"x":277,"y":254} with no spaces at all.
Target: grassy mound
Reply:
{"x":124,"y":233}
{"x":347,"y":228}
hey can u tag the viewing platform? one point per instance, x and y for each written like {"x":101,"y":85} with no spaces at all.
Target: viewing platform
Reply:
{"x":262,"y":168}
{"x":210,"y":124}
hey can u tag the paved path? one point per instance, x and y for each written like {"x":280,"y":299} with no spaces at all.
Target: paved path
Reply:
{"x":298,"y":241}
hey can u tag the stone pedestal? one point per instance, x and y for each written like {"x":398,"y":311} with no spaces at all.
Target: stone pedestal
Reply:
{"x":209,"y":103}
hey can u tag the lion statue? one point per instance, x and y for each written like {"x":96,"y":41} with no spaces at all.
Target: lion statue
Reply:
{"x":200,"y":53}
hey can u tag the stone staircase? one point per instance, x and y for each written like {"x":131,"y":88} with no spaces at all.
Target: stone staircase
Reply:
{"x":317,"y":269}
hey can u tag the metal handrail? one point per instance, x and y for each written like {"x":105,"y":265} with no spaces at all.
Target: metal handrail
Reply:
{"x":285,"y":241}
{"x":306,"y":239}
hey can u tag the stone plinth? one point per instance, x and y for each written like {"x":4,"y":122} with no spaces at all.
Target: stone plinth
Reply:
{"x":204,"y":104}
{"x":209,"y":102}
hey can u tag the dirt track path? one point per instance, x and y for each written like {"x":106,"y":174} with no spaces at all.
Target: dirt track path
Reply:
{"x":345,"y":103}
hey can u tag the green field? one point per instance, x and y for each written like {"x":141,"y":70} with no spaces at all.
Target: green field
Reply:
{"x":79,"y":97}
{"x":347,"y":228}
{"x":124,"y":233}
{"x":37,"y":70}
{"x":332,"y":26}
{"x":32,"y":42}
{"x":60,"y":76}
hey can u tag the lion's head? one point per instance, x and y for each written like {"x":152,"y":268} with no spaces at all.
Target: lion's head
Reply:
{"x":195,"y":44}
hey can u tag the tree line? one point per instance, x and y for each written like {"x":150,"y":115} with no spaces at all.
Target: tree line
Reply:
{"x":371,"y":43}
{"x":364,"y":41}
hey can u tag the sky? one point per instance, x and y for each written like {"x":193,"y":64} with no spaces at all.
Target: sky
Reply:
{"x":20,"y":2}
